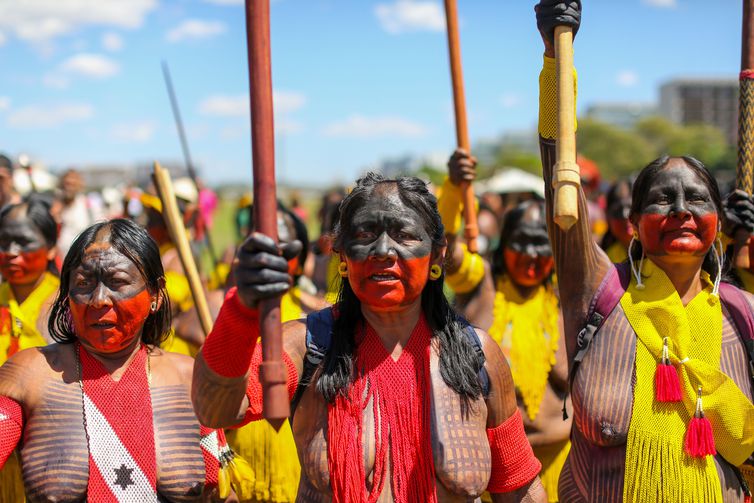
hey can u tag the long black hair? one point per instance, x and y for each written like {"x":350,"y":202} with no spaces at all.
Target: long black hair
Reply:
{"x":459,"y":364}
{"x":644,"y":182}
{"x":132,"y":241}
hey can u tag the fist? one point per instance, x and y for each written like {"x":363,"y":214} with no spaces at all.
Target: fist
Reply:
{"x":739,"y":212}
{"x":261,"y":268}
{"x":552,"y":13}
{"x":461,"y":167}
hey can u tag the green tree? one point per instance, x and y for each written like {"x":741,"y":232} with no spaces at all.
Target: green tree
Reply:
{"x":617,"y":152}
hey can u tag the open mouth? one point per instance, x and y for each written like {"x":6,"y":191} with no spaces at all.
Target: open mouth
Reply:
{"x":102,"y":325}
{"x":384,"y":276}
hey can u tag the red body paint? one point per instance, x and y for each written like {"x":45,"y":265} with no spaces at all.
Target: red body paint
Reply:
{"x":388,"y":284}
{"x":669,"y":235}
{"x":119,"y":322}
{"x":23,"y":268}
{"x":526,"y":270}
{"x":622,"y":229}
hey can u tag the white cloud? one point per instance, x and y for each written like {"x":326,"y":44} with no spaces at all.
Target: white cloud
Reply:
{"x":667,"y":4}
{"x":139,"y":132}
{"x":112,"y":42}
{"x":284,"y":125}
{"x":56,"y":81}
{"x":510,"y":100}
{"x":45,"y":116}
{"x":627,"y":78}
{"x":4,"y":103}
{"x":410,"y":15}
{"x":195,"y":29}
{"x":284,"y":102}
{"x":2,"y":38}
{"x":359,"y":126}
{"x":42,"y":20}
{"x":90,"y":65}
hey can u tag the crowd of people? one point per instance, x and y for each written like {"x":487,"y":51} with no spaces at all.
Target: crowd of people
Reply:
{"x":613,"y":361}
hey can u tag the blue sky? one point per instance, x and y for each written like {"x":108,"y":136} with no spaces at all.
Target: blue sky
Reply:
{"x":356,"y":81}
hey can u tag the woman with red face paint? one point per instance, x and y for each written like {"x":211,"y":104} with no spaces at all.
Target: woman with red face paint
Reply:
{"x":514,"y":300}
{"x":104,"y":413}
{"x":619,"y":229}
{"x":662,"y":398}
{"x":395,"y":397}
{"x":27,"y":245}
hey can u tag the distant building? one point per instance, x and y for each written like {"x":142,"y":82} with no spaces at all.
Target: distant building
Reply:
{"x":624,"y":115}
{"x":98,"y":176}
{"x":702,"y":100}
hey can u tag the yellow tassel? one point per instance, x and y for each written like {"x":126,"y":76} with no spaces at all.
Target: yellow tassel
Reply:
{"x":241,"y":478}
{"x":223,"y":482}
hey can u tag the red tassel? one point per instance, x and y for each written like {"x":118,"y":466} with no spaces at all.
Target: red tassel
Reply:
{"x":667,"y":384}
{"x":699,"y":439}
{"x":747,"y":498}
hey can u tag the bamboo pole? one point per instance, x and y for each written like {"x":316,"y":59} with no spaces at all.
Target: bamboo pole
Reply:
{"x":471,"y":230}
{"x":177,"y":231}
{"x":272,"y":372}
{"x":566,"y":178}
{"x":745,"y":167}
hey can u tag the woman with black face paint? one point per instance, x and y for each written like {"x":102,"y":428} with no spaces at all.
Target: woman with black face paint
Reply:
{"x":27,"y":246}
{"x":514,"y":300}
{"x":662,"y":398}
{"x":395,"y":397}
{"x":104,"y":414}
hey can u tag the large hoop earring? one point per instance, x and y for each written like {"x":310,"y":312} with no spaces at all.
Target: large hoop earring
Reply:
{"x":435,"y":272}
{"x":636,"y":273}
{"x":719,"y":259}
{"x":343,"y":269}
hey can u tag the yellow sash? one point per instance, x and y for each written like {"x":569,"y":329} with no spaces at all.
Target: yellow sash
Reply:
{"x":24,"y":317}
{"x":527,"y":331}
{"x":657,"y":468}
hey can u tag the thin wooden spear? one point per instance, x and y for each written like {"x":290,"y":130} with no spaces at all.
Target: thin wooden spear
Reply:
{"x":272,"y":372}
{"x":745,"y":168}
{"x":471,"y":230}
{"x":177,"y":232}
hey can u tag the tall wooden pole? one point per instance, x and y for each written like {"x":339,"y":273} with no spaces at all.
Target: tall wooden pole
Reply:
{"x":566,"y":178}
{"x":471,"y":230}
{"x":272,"y":371}
{"x":745,"y":169}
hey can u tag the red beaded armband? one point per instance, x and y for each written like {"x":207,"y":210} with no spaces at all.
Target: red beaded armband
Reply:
{"x":11,"y":424}
{"x":513,"y":461}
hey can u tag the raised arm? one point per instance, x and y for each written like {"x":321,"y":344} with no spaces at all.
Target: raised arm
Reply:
{"x":226,"y":390}
{"x":580,"y":263}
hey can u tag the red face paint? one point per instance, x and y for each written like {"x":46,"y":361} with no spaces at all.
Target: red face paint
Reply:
{"x":23,"y":268}
{"x":622,"y":229}
{"x":663,"y":234}
{"x":110,"y":327}
{"x":527,"y":270}
{"x":384,"y":284}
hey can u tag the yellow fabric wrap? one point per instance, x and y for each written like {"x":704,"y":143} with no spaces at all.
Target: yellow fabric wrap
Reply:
{"x":617,"y":253}
{"x":333,"y":279}
{"x":548,"y":99}
{"x":657,"y":468}
{"x":179,"y":293}
{"x":450,"y":206}
{"x":272,"y":455}
{"x":23,"y":318}
{"x":219,"y":276}
{"x":468,"y":275}
{"x":527,"y":331}
{"x":552,"y":457}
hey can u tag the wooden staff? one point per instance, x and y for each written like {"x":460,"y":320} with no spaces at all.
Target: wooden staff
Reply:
{"x":177,"y":232}
{"x":272,"y":372}
{"x":745,"y":168}
{"x":471,"y":230}
{"x":566,"y":178}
